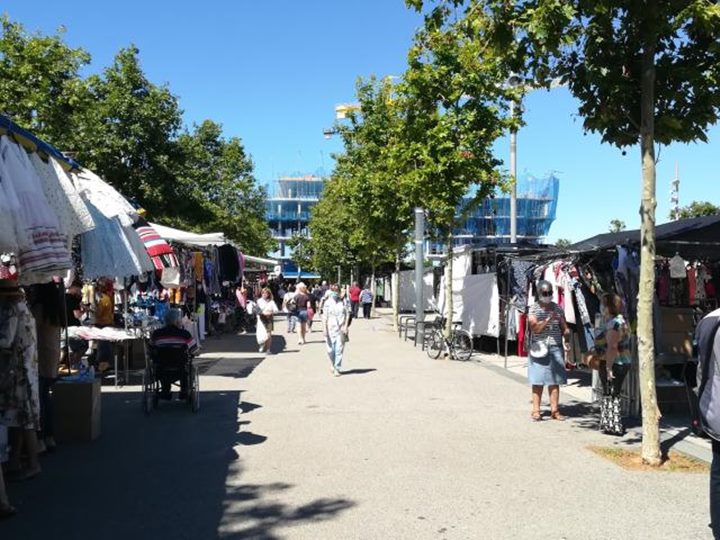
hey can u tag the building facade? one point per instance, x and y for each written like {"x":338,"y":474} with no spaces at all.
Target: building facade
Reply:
{"x":489,"y":223}
{"x":288,"y":209}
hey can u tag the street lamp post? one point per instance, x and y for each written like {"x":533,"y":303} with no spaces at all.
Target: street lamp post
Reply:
{"x":419,"y":264}
{"x":513,"y":176}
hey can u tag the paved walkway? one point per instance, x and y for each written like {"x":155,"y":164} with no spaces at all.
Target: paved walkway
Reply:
{"x":399,"y":447}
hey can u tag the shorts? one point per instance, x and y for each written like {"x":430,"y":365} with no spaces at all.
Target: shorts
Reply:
{"x":267,"y":321}
{"x":302,"y":316}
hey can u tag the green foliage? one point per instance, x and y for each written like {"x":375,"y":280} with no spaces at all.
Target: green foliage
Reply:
{"x":40,"y":86}
{"x":563,"y":243}
{"x":367,"y":173}
{"x":330,"y":227}
{"x":617,"y":225}
{"x":128,"y":134}
{"x":456,"y":110}
{"x":216,"y":175}
{"x":697,"y":209}
{"x":128,"y":130}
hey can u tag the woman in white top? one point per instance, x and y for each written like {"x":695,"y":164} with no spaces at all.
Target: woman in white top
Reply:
{"x":268,"y":309}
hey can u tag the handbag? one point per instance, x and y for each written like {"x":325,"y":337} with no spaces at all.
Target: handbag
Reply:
{"x":540,"y":349}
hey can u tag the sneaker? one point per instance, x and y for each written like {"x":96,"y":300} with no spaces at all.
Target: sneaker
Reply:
{"x":261,"y":349}
{"x":336,"y":372}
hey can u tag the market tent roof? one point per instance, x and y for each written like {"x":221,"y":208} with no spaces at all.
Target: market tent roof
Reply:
{"x":259,"y":260}
{"x":186,"y":237}
{"x":692,"y":238}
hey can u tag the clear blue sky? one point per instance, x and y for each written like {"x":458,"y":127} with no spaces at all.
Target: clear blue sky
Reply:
{"x":272,"y":72}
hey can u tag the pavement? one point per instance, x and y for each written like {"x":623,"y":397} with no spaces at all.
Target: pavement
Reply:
{"x":400,"y":446}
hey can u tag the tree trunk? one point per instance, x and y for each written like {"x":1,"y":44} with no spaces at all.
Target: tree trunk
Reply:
{"x":373,"y":290}
{"x":646,"y":347}
{"x":449,"y":287}
{"x":396,"y":293}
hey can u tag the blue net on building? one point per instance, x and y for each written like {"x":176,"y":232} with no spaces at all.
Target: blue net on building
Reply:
{"x":489,"y":223}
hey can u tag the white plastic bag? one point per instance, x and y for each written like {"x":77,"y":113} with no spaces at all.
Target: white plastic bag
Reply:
{"x":261,"y":334}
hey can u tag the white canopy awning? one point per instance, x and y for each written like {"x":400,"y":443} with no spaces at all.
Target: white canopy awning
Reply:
{"x":191,"y":238}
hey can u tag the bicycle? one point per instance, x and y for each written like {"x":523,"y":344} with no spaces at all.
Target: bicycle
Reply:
{"x":459,"y":346}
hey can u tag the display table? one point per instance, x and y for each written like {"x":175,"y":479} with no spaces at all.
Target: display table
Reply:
{"x":112,"y":335}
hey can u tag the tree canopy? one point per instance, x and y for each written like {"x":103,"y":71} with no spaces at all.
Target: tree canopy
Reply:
{"x":129,"y":130}
{"x":698,"y":209}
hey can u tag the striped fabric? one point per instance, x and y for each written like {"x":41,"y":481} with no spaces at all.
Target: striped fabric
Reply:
{"x":160,"y":251}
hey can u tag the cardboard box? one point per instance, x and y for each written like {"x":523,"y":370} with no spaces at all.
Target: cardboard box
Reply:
{"x":677,"y":319}
{"x":77,"y":410}
{"x":677,"y":343}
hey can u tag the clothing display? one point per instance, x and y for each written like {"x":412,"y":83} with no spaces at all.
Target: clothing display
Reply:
{"x":19,"y":392}
{"x":41,"y":245}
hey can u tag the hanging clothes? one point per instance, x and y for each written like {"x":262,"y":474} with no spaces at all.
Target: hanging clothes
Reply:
{"x":62,"y":197}
{"x":42,"y":247}
{"x":229,"y":263}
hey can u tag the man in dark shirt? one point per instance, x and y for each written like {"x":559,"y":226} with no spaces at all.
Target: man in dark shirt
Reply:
{"x":171,"y":344}
{"x":74,"y":310}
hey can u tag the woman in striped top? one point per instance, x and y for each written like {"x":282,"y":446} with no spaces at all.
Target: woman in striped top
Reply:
{"x":548,"y":327}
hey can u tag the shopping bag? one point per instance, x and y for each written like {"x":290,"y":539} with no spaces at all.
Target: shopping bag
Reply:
{"x":261,"y":333}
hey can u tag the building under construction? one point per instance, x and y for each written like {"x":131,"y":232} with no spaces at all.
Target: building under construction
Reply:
{"x":489,"y":223}
{"x":288,"y":209}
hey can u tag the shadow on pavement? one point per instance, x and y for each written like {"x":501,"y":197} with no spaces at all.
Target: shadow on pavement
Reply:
{"x":358,"y":371}
{"x":167,"y":475}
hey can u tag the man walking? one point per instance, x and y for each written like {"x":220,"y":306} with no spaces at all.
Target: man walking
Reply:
{"x":708,"y":341}
{"x":354,"y":294}
{"x":335,"y":326}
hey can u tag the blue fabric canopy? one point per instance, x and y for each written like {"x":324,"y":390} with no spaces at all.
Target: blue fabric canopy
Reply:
{"x":12,"y":127}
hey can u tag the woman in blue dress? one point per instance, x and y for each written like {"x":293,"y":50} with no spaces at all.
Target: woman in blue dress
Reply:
{"x":548,"y":344}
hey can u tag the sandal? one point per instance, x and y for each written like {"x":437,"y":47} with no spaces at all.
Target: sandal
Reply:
{"x":7,"y":511}
{"x":536,"y":416}
{"x":557,"y":416}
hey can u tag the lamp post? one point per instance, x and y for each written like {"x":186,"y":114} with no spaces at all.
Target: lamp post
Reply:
{"x":419,"y":264}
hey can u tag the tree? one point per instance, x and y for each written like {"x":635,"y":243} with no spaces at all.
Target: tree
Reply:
{"x":563,"y":243}
{"x":616,"y":226}
{"x":697,"y":209}
{"x":456,"y":105}
{"x":40,"y":86}
{"x":367,"y":178}
{"x":221,"y":192}
{"x":645,"y":73}
{"x":128,"y":135}
{"x":330,"y":226}
{"x":302,"y":254}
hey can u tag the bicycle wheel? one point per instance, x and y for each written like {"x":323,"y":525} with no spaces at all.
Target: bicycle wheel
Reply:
{"x":435,"y":345}
{"x":462,"y":345}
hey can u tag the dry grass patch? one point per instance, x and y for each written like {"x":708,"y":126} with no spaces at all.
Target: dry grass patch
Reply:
{"x":632,"y":461}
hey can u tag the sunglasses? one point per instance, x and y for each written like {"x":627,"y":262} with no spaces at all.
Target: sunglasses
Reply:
{"x":546,"y":294}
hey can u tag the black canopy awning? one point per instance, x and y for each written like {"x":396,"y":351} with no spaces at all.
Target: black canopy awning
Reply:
{"x":692,"y":238}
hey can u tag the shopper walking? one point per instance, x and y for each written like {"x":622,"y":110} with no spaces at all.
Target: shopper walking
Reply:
{"x":302,"y":303}
{"x":290,"y":306}
{"x":366,"y":299}
{"x":546,"y":365}
{"x":268,"y":308}
{"x":335,"y":326}
{"x":354,"y":294}
{"x":707,"y":336}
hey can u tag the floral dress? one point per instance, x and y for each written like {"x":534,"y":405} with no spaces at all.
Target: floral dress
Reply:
{"x":19,"y":393}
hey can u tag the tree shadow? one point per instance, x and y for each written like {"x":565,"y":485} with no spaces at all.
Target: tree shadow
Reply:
{"x":172,"y":474}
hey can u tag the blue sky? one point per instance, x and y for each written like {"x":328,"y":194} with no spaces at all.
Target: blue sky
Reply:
{"x":272,"y":72}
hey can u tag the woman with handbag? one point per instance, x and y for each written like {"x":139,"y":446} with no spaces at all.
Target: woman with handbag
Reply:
{"x":267,"y":309}
{"x":548,"y":344}
{"x":612,"y":359}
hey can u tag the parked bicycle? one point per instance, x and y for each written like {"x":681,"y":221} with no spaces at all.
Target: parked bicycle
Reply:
{"x":458,"y":347}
